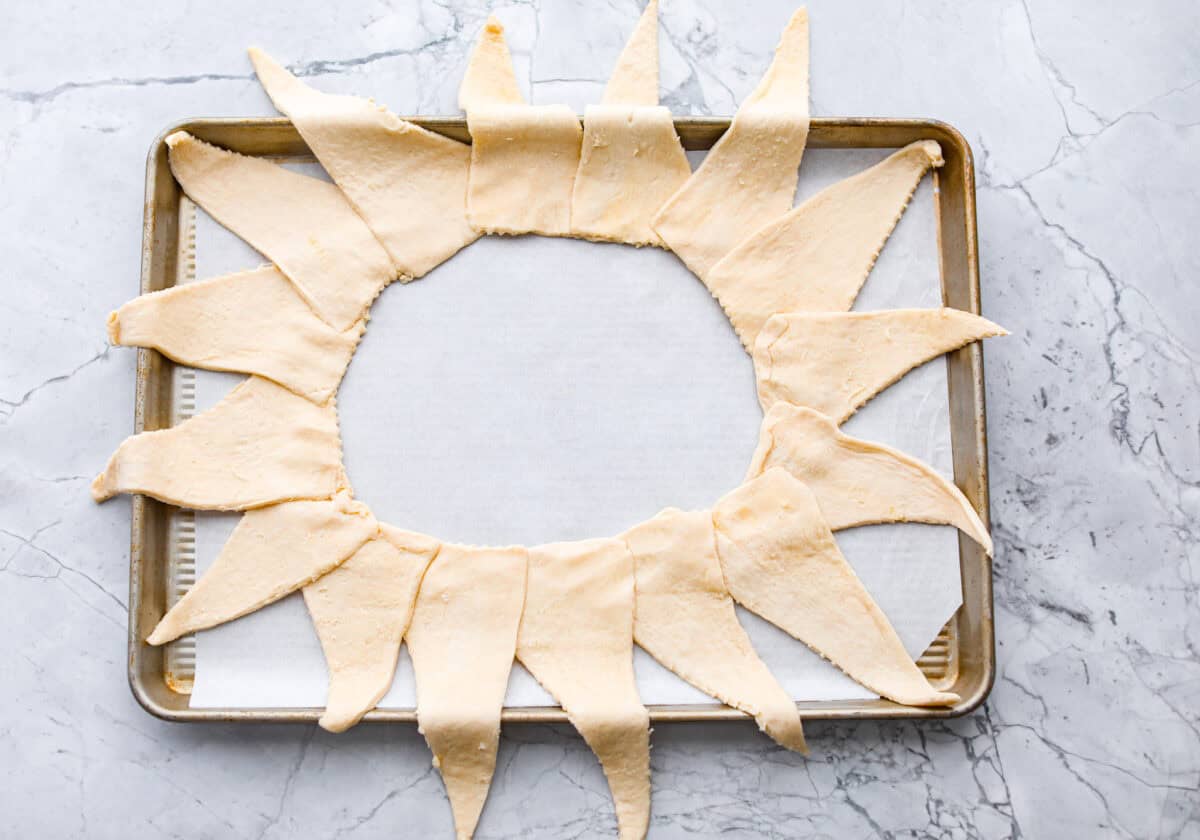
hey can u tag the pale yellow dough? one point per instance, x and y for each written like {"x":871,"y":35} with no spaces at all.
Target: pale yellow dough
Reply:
{"x":462,"y":640}
{"x":749,"y":177}
{"x":685,"y":619}
{"x":576,"y":639}
{"x":781,"y":562}
{"x":523,"y":157}
{"x":304,"y":225}
{"x":260,"y":445}
{"x":816,"y":257}
{"x":408,"y":184}
{"x":857,"y":482}
{"x":631,"y":161}
{"x":272,"y":551}
{"x":634,"y":81}
{"x":523,"y":162}
{"x":489,"y":79}
{"x":835,"y":362}
{"x":361,"y":611}
{"x":630,"y":164}
{"x":249,"y":322}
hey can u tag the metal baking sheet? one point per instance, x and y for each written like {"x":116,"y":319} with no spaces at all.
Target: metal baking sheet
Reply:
{"x":960,"y":659}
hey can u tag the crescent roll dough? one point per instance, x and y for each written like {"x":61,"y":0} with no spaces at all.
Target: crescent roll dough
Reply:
{"x":249,"y":322}
{"x":634,"y":81}
{"x":260,"y":445}
{"x":817,"y":256}
{"x":462,"y":640}
{"x":749,"y":177}
{"x":489,"y":78}
{"x":576,"y":639}
{"x":835,"y":362}
{"x":523,"y":157}
{"x":631,"y":163}
{"x":361,"y":611}
{"x":857,"y":482}
{"x":304,"y":225}
{"x":632,"y":160}
{"x":523,"y":162}
{"x":781,"y":562}
{"x":272,"y":551}
{"x":685,"y":619}
{"x":408,"y":184}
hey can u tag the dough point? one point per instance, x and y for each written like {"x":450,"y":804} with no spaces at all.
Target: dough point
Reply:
{"x":631,"y":161}
{"x":857,"y":482}
{"x":489,"y":79}
{"x":835,"y":362}
{"x":249,"y":322}
{"x":303,"y":225}
{"x":408,"y":184}
{"x":523,"y":157}
{"x":260,"y":445}
{"x":685,"y":619}
{"x":272,"y":551}
{"x":462,"y":640}
{"x":817,"y":256}
{"x":781,"y":562}
{"x":361,"y":611}
{"x":634,"y":81}
{"x":576,"y":639}
{"x":749,"y":177}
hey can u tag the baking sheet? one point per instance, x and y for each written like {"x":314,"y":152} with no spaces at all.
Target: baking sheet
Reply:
{"x":535,"y":389}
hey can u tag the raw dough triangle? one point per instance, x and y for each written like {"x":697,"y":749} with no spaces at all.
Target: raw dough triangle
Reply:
{"x":634,"y":81}
{"x":816,"y":257}
{"x":462,"y":640}
{"x":835,"y":362}
{"x":576,"y":639}
{"x":260,"y":445}
{"x":490,"y":79}
{"x":523,"y":157}
{"x":249,"y":322}
{"x":361,"y":611}
{"x":631,"y":160}
{"x":857,"y":482}
{"x":523,"y":163}
{"x":781,"y":562}
{"x":685,"y":619}
{"x":749,"y":177}
{"x":272,"y":551}
{"x":304,"y":225}
{"x":408,"y":184}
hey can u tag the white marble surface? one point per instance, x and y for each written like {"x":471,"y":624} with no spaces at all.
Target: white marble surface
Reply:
{"x":1085,"y":119}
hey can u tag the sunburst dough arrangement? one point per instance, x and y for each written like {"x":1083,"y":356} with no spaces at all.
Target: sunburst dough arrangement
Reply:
{"x":404,"y":200}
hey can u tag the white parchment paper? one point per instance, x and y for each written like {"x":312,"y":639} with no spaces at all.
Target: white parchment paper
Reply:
{"x":534,"y":389}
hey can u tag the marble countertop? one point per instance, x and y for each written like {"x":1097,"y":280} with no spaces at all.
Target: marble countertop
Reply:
{"x":1085,"y":120}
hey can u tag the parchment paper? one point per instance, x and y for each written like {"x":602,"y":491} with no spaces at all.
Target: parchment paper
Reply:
{"x":534,"y":389}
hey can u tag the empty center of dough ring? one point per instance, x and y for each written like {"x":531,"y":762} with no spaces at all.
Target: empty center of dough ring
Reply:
{"x":539,"y":389}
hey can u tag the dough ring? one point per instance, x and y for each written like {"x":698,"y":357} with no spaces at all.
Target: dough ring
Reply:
{"x":405,"y":200}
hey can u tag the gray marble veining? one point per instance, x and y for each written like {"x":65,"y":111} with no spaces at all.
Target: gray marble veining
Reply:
{"x":1085,"y":118}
